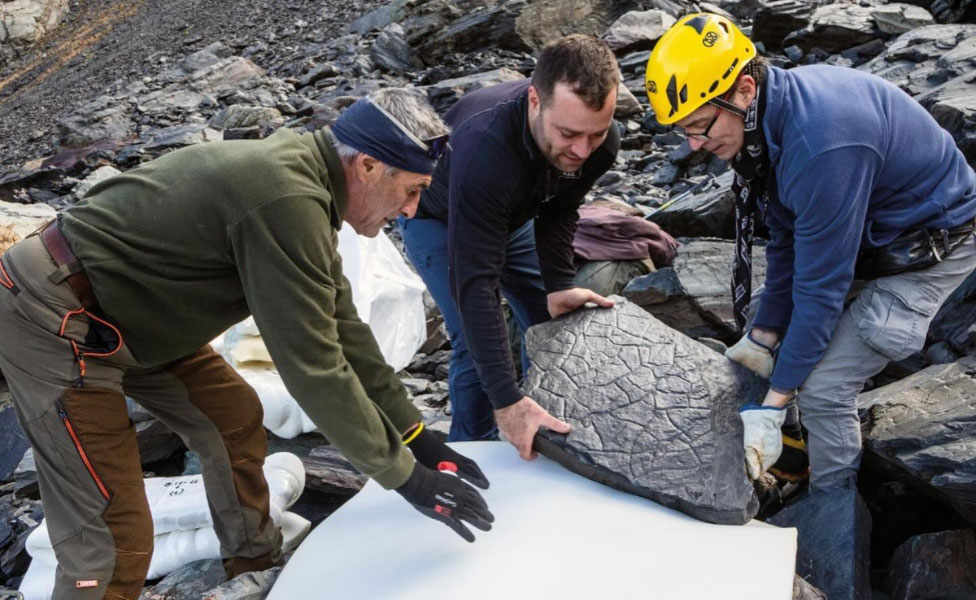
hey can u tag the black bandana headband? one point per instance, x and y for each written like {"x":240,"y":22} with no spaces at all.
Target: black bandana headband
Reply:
{"x":368,"y":128}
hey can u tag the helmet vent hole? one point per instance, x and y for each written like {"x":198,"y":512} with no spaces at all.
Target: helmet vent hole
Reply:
{"x":723,"y":26}
{"x":731,"y":68}
{"x":712,"y":87}
{"x":684,"y":94}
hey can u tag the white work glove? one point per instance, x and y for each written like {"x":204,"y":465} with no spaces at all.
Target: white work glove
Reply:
{"x":752,"y":355}
{"x":762,"y":437}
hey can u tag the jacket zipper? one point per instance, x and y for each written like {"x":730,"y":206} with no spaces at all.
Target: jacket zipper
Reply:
{"x":81,"y":451}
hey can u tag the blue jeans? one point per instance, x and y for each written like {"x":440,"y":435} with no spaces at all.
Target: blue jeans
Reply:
{"x":472,"y":416}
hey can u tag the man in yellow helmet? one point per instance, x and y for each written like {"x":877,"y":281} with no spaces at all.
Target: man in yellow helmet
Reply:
{"x":855,"y":180}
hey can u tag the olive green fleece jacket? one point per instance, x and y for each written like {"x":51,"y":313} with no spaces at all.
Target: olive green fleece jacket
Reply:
{"x":183,"y":247}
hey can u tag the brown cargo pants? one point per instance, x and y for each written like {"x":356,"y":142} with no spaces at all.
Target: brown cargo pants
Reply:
{"x":69,"y":373}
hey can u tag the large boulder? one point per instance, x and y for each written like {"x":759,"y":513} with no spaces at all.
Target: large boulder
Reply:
{"x":694,"y":295}
{"x":922,"y":430}
{"x":833,"y":542}
{"x":653,"y":412}
{"x":933,"y":566}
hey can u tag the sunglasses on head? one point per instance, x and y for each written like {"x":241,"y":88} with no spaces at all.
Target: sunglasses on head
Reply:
{"x":437,"y":146}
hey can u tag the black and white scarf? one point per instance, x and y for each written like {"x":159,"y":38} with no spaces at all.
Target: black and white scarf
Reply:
{"x":754,"y":186}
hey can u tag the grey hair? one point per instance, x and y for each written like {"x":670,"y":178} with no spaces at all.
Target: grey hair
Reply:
{"x":411,"y":109}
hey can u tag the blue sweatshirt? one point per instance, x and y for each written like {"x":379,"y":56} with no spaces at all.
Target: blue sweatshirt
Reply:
{"x":857,"y":162}
{"x":492,"y":181}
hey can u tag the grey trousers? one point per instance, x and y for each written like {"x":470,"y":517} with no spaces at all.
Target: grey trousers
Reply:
{"x":69,"y":374}
{"x":888,"y":320}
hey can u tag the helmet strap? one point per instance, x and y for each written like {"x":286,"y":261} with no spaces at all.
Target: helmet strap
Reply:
{"x":728,"y":107}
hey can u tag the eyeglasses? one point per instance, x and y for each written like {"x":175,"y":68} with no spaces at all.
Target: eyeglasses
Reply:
{"x":438,"y":146}
{"x":703,"y":136}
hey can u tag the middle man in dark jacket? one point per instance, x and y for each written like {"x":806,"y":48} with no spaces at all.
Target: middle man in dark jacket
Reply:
{"x":499,"y":219}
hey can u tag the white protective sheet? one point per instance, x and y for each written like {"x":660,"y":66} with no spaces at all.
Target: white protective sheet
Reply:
{"x":556,"y":535}
{"x":182,"y":524}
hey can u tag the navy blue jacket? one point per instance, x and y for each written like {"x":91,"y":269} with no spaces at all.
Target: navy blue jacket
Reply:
{"x":858,"y":162}
{"x":492,"y":181}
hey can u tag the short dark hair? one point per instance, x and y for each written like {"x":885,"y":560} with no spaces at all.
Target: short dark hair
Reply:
{"x":584,"y":62}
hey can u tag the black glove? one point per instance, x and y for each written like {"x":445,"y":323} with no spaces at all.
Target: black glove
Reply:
{"x":438,"y":456}
{"x":447,"y":499}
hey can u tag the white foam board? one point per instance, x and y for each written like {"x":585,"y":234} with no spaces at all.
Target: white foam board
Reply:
{"x":556,"y":535}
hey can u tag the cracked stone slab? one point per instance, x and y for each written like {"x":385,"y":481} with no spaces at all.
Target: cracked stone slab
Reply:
{"x":922,"y":430}
{"x":654,"y":413}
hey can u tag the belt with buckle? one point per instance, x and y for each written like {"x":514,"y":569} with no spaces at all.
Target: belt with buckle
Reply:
{"x":57,"y":246}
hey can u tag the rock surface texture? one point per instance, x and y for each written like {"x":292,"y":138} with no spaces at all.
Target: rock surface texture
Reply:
{"x":833,"y":542}
{"x":922,"y":429}
{"x":934,"y":565}
{"x":654,"y":413}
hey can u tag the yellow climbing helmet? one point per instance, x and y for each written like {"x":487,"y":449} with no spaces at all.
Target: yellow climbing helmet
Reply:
{"x":696,"y":60}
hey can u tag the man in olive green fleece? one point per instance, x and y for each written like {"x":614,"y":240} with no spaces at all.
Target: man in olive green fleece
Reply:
{"x":121,"y":295}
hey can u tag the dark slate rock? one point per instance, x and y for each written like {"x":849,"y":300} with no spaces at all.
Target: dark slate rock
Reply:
{"x":694,"y":295}
{"x":327,"y":470}
{"x":709,"y":213}
{"x":953,"y":11}
{"x":933,"y":566}
{"x":833,"y":542}
{"x":444,"y":94}
{"x":248,"y":586}
{"x":542,"y":22}
{"x":666,"y":174}
{"x":156,"y":441}
{"x":190,"y":582}
{"x":25,"y":477}
{"x":240,"y":115}
{"x":634,"y":61}
{"x":834,"y":27}
{"x":922,"y":430}
{"x":607,"y":277}
{"x":381,"y":17}
{"x":391,"y":52}
{"x":936,"y":64}
{"x":100,"y":119}
{"x":492,"y":26}
{"x":627,"y":104}
{"x":321,"y":71}
{"x":13,"y":443}
{"x":897,"y":18}
{"x":803,"y":590}
{"x":14,"y":559}
{"x":777,"y":19}
{"x":941,"y":353}
{"x":181,"y":135}
{"x":653,"y":412}
{"x":637,"y":30}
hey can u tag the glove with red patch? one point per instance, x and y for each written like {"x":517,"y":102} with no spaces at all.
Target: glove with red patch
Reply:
{"x":447,"y":499}
{"x":438,"y":456}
